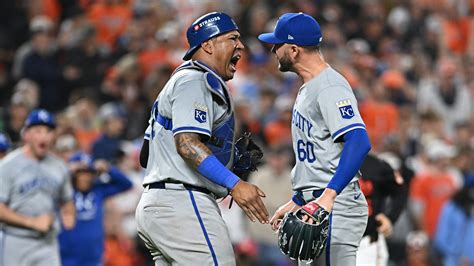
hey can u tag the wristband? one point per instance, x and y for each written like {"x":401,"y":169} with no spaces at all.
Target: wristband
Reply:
{"x":215,"y":171}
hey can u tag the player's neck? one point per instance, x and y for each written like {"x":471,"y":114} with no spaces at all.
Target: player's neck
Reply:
{"x":310,"y":67}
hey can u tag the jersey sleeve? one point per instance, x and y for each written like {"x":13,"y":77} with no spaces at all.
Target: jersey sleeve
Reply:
{"x":191,"y":108}
{"x":5,"y":185}
{"x":339,"y":110}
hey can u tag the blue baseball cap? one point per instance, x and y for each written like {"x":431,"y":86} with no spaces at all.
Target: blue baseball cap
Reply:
{"x":84,"y":158}
{"x":40,"y":117}
{"x":295,"y":28}
{"x":5,"y":143}
{"x":206,"y":27}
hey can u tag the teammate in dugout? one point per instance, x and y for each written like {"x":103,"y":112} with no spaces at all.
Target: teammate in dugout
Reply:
{"x":188,"y":151}
{"x":34,"y":188}
{"x":330,"y":143}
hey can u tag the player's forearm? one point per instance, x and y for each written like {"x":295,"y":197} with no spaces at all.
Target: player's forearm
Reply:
{"x":11,"y":217}
{"x":68,"y":215}
{"x":356,"y":147}
{"x":192,"y":150}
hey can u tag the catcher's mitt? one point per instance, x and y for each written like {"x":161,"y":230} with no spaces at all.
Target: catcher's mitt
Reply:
{"x":301,"y":240}
{"x":247,"y":156}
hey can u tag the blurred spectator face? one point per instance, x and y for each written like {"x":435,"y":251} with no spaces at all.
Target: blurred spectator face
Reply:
{"x":417,"y":249}
{"x":28,"y":91}
{"x":18,"y":113}
{"x":431,"y":124}
{"x":83,"y":180}
{"x":278,"y":159}
{"x":65,"y":146}
{"x":446,"y":69}
{"x":439,"y":154}
{"x":43,"y":42}
{"x":39,"y":139}
{"x":86,"y":109}
{"x":463,"y":135}
{"x":114,"y":126}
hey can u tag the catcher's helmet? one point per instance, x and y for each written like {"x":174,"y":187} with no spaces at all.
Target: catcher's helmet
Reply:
{"x":208,"y":26}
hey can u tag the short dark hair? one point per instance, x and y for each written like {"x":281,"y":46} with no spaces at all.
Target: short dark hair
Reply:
{"x":312,"y":48}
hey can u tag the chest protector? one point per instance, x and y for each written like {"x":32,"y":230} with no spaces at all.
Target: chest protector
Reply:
{"x":221,"y":142}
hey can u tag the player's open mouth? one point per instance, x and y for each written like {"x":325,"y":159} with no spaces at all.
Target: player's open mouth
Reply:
{"x":233,"y":62}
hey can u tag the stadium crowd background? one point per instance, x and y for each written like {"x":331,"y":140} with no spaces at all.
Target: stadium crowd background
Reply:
{"x":100,"y":64}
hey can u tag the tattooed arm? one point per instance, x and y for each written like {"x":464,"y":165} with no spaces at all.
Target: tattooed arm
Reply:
{"x":191,"y":148}
{"x":246,"y":195}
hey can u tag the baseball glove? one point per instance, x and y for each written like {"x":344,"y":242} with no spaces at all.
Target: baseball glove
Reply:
{"x":301,"y":240}
{"x":247,"y":156}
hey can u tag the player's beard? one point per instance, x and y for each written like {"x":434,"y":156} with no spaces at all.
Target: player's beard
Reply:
{"x":285,"y":64}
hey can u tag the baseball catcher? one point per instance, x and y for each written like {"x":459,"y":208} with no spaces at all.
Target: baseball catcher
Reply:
{"x":302,"y":234}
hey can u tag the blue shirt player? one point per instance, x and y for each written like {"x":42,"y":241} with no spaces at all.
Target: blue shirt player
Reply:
{"x":84,"y":245}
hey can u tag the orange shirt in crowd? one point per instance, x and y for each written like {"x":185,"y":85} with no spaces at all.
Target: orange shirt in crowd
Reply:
{"x":110,"y":21}
{"x":456,"y":34}
{"x":85,"y":138}
{"x":380,"y":118}
{"x":118,"y":253}
{"x":150,"y":59}
{"x":433,"y":190}
{"x":277,"y":133}
{"x":51,"y":9}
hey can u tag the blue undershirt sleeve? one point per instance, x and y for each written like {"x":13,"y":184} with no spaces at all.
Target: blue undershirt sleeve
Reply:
{"x":356,"y":147}
{"x":215,"y":171}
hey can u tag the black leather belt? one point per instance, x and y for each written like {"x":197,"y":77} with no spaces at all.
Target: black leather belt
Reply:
{"x":162,"y":185}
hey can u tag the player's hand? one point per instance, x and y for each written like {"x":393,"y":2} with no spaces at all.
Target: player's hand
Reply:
{"x":42,"y":223}
{"x":248,"y":197}
{"x":276,"y":218}
{"x":384,"y":224}
{"x":101,"y":166}
{"x":326,"y":200}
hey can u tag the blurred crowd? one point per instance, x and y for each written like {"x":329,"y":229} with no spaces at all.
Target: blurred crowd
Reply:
{"x":99,"y":65}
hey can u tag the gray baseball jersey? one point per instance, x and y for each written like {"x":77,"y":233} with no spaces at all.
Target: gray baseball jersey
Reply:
{"x":188,"y":101}
{"x":324,"y":110}
{"x":30,"y":187}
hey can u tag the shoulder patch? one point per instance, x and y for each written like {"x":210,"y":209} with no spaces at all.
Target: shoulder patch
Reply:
{"x":345,"y":108}
{"x":200,"y":116}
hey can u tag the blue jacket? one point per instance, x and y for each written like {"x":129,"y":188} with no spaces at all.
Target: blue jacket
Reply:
{"x":455,"y":235}
{"x":84,"y":245}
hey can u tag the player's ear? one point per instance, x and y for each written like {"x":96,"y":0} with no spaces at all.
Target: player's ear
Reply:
{"x":294,"y":51}
{"x":208,"y":46}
